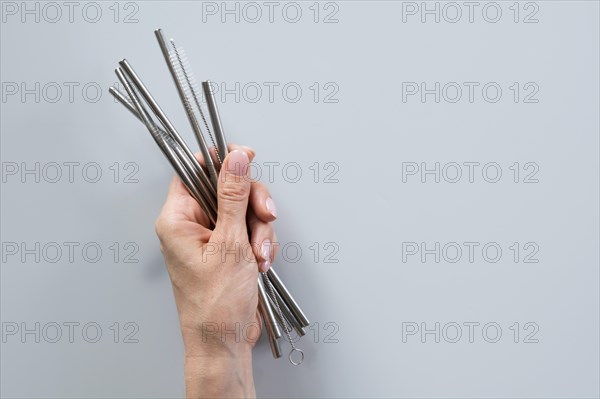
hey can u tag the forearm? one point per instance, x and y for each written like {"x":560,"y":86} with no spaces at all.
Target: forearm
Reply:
{"x":219,"y":377}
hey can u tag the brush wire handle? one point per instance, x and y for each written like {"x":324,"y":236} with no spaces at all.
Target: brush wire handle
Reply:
{"x":185,"y":90}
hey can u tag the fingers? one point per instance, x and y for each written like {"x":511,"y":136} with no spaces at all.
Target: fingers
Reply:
{"x":236,"y":194}
{"x":230,"y":147}
{"x":260,"y":198}
{"x":182,"y":204}
{"x":233,"y":191}
{"x":263,"y":241}
{"x":248,"y":150}
{"x":262,"y":203}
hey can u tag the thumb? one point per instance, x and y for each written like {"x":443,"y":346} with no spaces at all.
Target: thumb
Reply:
{"x":233,"y":190}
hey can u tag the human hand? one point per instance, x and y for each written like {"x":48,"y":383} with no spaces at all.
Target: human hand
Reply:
{"x":214,"y":275}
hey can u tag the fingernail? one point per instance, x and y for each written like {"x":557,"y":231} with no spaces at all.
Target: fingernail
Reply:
{"x":271,"y":207}
{"x":248,"y":150}
{"x":237,"y":163}
{"x":265,"y":252}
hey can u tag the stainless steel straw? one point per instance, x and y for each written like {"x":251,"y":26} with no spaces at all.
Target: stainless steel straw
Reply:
{"x":278,"y":308}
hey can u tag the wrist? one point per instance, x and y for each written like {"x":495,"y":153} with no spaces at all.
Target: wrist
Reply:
{"x":216,"y":364}
{"x":211,"y":340}
{"x":227,"y":374}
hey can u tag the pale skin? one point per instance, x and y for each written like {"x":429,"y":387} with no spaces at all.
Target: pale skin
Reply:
{"x":214,"y":276}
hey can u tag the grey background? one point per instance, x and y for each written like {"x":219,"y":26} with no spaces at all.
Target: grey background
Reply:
{"x":368,"y":213}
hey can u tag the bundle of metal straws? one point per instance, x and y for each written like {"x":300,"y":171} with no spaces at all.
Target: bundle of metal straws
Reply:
{"x":278,"y":308}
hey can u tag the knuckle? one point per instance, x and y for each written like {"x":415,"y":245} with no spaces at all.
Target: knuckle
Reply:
{"x":158,"y":228}
{"x":233,"y":191}
{"x":163,"y":227}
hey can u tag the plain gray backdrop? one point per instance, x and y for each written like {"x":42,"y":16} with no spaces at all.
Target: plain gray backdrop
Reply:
{"x":375,"y":248}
